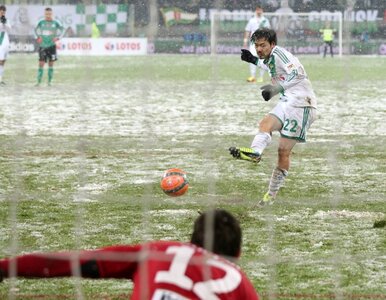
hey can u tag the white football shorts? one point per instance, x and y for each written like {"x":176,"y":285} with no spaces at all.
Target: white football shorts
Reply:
{"x":295,"y":120}
{"x":4,"y":49}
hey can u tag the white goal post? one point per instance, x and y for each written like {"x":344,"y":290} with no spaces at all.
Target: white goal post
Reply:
{"x":299,"y":30}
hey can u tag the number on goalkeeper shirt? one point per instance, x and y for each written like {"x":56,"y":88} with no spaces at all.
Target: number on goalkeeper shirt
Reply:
{"x":176,"y":275}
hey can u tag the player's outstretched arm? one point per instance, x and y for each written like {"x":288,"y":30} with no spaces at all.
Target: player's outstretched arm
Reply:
{"x":246,"y":39}
{"x":110,"y":262}
{"x":247,"y":56}
{"x":269,"y":90}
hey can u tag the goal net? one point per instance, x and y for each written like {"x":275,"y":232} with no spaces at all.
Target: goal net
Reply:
{"x":298,"y":32}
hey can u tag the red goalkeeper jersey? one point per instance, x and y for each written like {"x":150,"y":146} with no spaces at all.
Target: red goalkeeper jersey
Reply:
{"x":160,"y":270}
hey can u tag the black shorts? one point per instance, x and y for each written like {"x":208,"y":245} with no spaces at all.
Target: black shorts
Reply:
{"x":328,"y":43}
{"x":47,"y":54}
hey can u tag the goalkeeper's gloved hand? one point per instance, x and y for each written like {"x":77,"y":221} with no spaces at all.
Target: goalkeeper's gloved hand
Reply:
{"x":247,"y":56}
{"x":269,"y":90}
{"x":3,"y":19}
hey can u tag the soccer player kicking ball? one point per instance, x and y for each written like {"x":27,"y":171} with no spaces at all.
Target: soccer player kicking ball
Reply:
{"x":160,"y":270}
{"x":292,"y":116}
{"x":48,"y":31}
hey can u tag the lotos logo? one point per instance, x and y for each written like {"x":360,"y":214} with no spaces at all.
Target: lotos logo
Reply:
{"x":127,"y":46}
{"x":109,"y":46}
{"x":79,"y":45}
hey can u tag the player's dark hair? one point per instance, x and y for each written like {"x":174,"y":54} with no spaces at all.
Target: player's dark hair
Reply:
{"x":224,"y":239}
{"x":265,"y":33}
{"x":48,"y":9}
{"x":3,"y":8}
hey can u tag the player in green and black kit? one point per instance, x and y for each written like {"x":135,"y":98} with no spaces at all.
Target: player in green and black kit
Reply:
{"x":47,"y":31}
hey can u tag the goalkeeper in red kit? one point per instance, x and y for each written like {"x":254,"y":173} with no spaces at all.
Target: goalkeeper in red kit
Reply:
{"x":160,"y":270}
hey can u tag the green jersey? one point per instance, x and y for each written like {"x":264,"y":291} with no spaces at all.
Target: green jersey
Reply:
{"x":48,"y":31}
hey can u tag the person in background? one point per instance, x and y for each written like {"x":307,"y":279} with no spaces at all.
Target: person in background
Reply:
{"x":95,"y":32}
{"x":5,"y":29}
{"x":328,"y":38}
{"x":258,"y":21}
{"x":48,"y":31}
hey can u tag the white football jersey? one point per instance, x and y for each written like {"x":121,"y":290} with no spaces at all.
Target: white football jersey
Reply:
{"x":4,"y":34}
{"x":257,"y":23}
{"x":287,"y":71}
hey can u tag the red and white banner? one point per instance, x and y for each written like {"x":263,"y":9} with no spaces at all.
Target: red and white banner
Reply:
{"x":102,"y":46}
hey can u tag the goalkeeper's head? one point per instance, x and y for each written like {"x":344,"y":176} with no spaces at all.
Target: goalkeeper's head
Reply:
{"x":218,"y":231}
